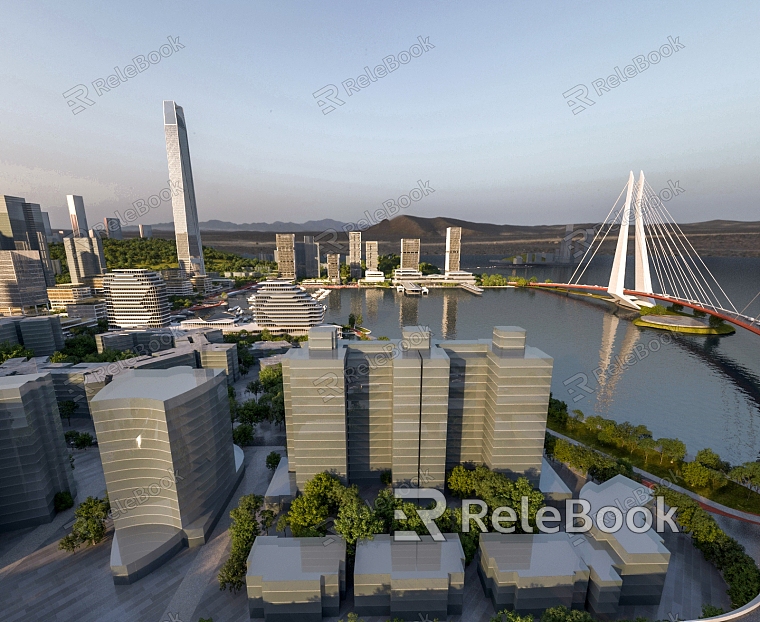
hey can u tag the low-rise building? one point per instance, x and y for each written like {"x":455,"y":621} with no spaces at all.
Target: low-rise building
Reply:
{"x":91,"y":308}
{"x":529,"y":573}
{"x":296,"y":579}
{"x":68,"y":294}
{"x":409,"y":580}
{"x":43,"y":335}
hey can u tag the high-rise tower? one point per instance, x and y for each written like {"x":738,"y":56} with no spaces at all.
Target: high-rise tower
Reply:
{"x":186,"y":228}
{"x":453,"y":248}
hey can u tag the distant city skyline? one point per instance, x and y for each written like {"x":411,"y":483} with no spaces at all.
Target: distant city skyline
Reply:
{"x":481,"y":111}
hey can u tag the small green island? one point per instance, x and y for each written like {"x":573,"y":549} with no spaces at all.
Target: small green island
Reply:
{"x":673,"y":318}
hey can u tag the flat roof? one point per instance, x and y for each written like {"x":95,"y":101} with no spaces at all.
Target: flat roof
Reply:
{"x":410,"y":560}
{"x":154,"y":384}
{"x":625,"y":494}
{"x":533,"y":555}
{"x":295,"y":559}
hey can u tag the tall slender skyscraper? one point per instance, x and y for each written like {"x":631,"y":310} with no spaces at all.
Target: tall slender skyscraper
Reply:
{"x":370,"y":249}
{"x":77,"y":215}
{"x":186,"y":228}
{"x":355,"y":254}
{"x":285,"y":255}
{"x":453,"y":248}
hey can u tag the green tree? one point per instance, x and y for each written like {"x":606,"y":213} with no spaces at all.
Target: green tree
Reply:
{"x":243,"y":531}
{"x":89,"y":525}
{"x":351,"y":320}
{"x":243,"y":435}
{"x":671,"y":448}
{"x":505,"y":615}
{"x":273,"y":460}
{"x":9,"y":350}
{"x":63,"y":501}
{"x":748,"y":474}
{"x":271,"y":378}
{"x":254,"y":387}
{"x":707,"y":457}
{"x":66,"y":409}
{"x":83,"y":440}
{"x":563,"y":614}
{"x":647,"y":444}
{"x":428,"y":268}
{"x":306,"y":517}
{"x":696,"y":474}
{"x":356,"y":521}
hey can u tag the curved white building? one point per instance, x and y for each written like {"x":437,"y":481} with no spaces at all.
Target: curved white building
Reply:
{"x":282,"y":306}
{"x":136,"y":299}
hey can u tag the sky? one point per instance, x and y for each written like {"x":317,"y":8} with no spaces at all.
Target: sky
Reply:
{"x":481,"y":114}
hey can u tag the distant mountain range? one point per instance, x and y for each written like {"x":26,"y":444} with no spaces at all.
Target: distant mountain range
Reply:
{"x":278,"y":226}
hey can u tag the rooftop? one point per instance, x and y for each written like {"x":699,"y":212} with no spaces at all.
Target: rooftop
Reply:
{"x":154,"y":384}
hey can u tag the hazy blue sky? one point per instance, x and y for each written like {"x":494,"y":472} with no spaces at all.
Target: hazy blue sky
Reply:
{"x":481,"y":116}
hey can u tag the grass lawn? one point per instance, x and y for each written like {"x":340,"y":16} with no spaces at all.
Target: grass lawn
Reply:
{"x":732,"y":495}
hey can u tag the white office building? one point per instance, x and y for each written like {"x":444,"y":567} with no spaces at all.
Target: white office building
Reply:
{"x":279,"y":305}
{"x":136,"y":299}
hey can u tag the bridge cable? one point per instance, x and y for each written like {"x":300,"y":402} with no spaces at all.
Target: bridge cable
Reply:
{"x":595,"y":237}
{"x":701,"y":261}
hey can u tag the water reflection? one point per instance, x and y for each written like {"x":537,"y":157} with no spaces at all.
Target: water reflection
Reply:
{"x":610,"y":372}
{"x":372,"y":298}
{"x":449,"y":319}
{"x":408,"y":310}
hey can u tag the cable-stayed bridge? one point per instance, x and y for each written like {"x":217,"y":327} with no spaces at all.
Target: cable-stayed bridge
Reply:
{"x":666,"y":266}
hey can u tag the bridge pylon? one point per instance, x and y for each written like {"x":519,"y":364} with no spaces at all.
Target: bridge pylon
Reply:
{"x":643,"y":277}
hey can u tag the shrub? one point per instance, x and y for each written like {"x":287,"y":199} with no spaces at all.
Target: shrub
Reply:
{"x":563,"y":614}
{"x":386,"y":477}
{"x":63,"y":501}
{"x":273,"y":460}
{"x":83,"y":440}
{"x":505,"y":615}
{"x":708,"y":611}
{"x":715,"y":321}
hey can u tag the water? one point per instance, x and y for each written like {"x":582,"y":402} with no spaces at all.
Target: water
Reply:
{"x":703,"y":390}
